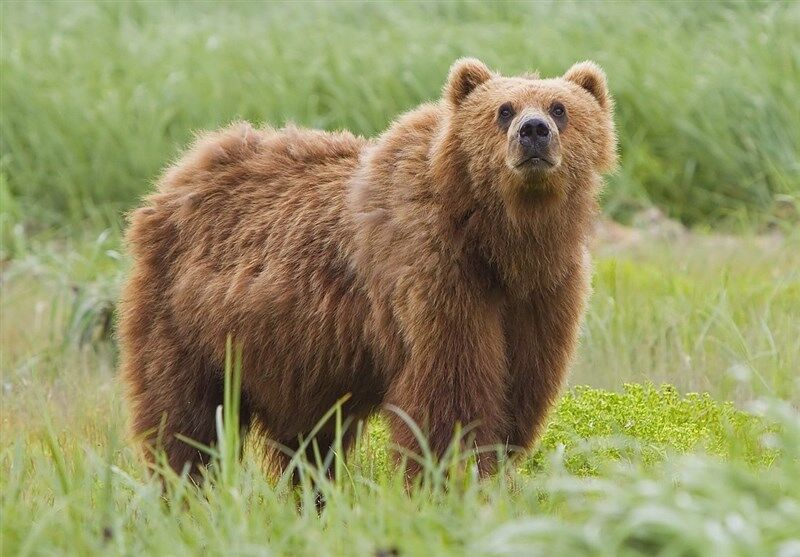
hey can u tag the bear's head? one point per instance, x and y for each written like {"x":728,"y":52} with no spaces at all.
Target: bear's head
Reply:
{"x":529,"y":135}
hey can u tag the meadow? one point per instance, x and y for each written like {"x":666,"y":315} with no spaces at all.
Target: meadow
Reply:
{"x":679,"y":431}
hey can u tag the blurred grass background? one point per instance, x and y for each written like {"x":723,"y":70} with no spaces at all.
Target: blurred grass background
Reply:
{"x":96,"y":97}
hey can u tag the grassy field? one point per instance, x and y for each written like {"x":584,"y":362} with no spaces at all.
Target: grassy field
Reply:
{"x":97,"y":96}
{"x":634,"y":469}
{"x":679,"y":433}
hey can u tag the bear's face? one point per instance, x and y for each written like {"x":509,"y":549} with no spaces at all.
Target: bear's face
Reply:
{"x":530,"y":134}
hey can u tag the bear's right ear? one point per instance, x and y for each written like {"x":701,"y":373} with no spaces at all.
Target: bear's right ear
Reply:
{"x":465,"y":75}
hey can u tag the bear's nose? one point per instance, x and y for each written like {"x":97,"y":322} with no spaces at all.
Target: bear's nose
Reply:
{"x":534,"y":130}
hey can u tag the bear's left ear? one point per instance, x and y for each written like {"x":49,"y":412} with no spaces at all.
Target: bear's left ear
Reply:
{"x":592,"y":78}
{"x":465,"y":75}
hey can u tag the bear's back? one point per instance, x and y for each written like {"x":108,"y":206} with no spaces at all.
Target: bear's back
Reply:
{"x":239,"y":190}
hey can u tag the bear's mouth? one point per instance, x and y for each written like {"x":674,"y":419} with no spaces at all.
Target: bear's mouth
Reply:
{"x":541,"y":163}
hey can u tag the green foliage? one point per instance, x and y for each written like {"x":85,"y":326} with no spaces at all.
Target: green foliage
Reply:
{"x":97,"y":97}
{"x":642,"y":424}
{"x":700,"y":313}
{"x":659,"y":420}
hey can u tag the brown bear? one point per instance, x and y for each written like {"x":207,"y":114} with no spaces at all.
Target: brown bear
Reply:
{"x":440,"y":269}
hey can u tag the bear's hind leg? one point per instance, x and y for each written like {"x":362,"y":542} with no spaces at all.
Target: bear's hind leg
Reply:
{"x":319,"y":450}
{"x":180,"y":399}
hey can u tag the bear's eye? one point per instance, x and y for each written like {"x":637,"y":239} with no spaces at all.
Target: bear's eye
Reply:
{"x":558,"y":110}
{"x":505,"y":112}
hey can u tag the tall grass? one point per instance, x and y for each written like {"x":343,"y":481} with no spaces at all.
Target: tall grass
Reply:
{"x":640,"y":471}
{"x":62,"y":495}
{"x":97,"y":97}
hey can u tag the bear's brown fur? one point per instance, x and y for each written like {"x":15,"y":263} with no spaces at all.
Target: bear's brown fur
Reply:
{"x":431,"y":269}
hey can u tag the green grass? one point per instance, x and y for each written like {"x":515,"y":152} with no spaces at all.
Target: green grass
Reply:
{"x":581,"y":494}
{"x":679,"y":432}
{"x":697,"y":313}
{"x":97,"y":97}
{"x":635,"y":470}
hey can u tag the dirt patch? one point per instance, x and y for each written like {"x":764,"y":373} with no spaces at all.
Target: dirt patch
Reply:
{"x":653,"y":225}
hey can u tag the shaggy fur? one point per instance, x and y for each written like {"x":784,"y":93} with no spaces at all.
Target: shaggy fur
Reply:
{"x":422,"y":269}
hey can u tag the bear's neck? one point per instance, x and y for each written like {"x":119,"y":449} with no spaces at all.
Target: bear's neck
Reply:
{"x":534,"y":248}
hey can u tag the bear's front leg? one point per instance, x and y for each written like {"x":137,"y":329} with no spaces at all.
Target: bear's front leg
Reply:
{"x":455,"y":373}
{"x":542,"y":336}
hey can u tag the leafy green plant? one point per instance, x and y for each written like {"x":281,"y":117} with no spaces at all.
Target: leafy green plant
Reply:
{"x":658,"y":421}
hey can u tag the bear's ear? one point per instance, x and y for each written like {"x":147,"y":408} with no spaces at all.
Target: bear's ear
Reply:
{"x":465,"y":75}
{"x":592,"y":78}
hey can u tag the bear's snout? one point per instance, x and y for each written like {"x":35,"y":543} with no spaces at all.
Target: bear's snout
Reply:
{"x":534,"y":145}
{"x":534,"y":132}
